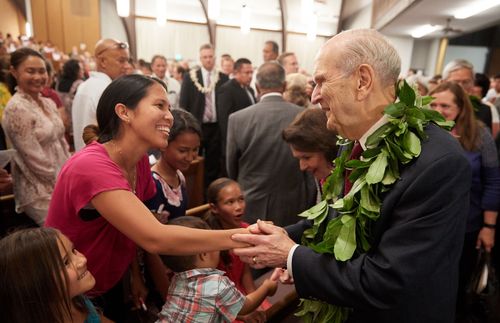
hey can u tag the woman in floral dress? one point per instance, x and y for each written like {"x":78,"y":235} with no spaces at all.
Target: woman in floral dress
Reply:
{"x":35,"y":129}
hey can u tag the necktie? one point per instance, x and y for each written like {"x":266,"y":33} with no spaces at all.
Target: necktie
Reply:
{"x":356,"y":152}
{"x":209,"y":112}
{"x":250,"y":95}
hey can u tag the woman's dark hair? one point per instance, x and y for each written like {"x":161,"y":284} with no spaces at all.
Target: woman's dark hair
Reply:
{"x":308,"y":133}
{"x":183,"y":121}
{"x":213,"y":221}
{"x":70,"y":72}
{"x":16,"y":59}
{"x":128,"y":90}
{"x":466,"y":124}
{"x":34,"y":279}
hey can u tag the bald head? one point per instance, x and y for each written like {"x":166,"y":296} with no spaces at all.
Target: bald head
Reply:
{"x":355,"y":74}
{"x":365,"y":46}
{"x":111,"y":57}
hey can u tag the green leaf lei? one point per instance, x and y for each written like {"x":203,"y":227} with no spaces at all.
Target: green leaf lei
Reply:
{"x":394,"y":144}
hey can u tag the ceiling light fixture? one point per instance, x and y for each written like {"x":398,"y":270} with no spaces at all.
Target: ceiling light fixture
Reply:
{"x":245,"y":19}
{"x":123,"y":8}
{"x":424,"y":30}
{"x":475,"y":7}
{"x":213,"y":9}
{"x":161,"y":12}
{"x":312,"y":27}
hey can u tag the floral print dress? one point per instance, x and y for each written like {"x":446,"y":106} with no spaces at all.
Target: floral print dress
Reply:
{"x":36,"y":131}
{"x":169,"y":202}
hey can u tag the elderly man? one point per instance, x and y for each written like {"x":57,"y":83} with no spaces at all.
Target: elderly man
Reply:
{"x":260,"y":160}
{"x":410,"y":273}
{"x":462,"y":72}
{"x":111,"y":58}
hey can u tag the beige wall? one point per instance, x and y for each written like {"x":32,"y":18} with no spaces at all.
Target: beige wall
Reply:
{"x":66,"y":23}
{"x":11,"y":20}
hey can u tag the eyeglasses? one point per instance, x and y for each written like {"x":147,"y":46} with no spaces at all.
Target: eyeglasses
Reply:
{"x":114,"y":46}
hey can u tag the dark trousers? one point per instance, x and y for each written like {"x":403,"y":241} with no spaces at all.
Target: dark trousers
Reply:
{"x":466,"y":267}
{"x":211,"y":149}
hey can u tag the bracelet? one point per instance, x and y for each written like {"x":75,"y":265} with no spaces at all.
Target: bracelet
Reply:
{"x":489,"y":226}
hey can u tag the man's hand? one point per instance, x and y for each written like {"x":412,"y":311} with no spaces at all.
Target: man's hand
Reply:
{"x":269,"y":249}
{"x":486,"y":239}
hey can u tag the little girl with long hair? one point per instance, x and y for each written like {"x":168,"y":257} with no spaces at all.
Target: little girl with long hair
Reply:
{"x":43,"y":278}
{"x":227,"y":207}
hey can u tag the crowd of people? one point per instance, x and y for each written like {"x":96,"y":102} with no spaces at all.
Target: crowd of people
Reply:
{"x":102,"y":148}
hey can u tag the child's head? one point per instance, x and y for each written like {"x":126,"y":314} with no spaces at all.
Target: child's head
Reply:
{"x":183,"y":141}
{"x":184,"y":263}
{"x":42,"y":276}
{"x":227,"y":202}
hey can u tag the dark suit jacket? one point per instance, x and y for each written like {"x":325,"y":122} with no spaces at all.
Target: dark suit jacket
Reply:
{"x":231,"y":98}
{"x":262,"y":163}
{"x":411,"y":273}
{"x":193,"y":100}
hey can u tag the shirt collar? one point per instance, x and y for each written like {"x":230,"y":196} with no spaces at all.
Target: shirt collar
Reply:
{"x":382,"y":121}
{"x":271,"y":94}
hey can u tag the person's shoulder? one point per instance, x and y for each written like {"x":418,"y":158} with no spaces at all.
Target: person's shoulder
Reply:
{"x":439,"y":144}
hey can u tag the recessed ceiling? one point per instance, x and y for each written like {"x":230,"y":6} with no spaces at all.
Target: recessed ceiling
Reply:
{"x":436,"y":12}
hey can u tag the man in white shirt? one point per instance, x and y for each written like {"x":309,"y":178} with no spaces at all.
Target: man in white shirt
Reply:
{"x":111,"y":57}
{"x":159,"y":66}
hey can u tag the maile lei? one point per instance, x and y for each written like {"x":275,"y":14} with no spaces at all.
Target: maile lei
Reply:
{"x":201,"y":88}
{"x":392,"y":145}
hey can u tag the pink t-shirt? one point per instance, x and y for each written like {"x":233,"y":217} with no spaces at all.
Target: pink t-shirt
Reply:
{"x":86,"y":174}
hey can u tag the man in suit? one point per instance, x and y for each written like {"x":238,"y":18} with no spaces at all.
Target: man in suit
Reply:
{"x":198,"y":96}
{"x":410,"y":274}
{"x":260,"y":160}
{"x":234,"y":95}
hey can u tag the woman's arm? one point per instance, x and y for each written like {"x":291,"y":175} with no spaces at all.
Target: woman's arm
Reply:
{"x":130,"y":216}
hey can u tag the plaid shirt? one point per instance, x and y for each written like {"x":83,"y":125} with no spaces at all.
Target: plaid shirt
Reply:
{"x":201,"y":295}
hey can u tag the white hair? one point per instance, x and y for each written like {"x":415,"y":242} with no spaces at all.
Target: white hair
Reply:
{"x":455,"y":65}
{"x":368,"y":46}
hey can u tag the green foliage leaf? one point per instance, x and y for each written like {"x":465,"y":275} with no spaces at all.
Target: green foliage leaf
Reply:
{"x":377,"y":169}
{"x":407,"y":94}
{"x":379,"y":134}
{"x":346,"y":241}
{"x":411,"y":143}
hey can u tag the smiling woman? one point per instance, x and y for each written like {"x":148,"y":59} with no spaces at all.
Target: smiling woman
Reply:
{"x":33,"y":125}
{"x":97,"y":201}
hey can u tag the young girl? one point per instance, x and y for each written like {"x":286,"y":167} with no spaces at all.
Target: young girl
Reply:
{"x":170,"y":200}
{"x":227,"y":207}
{"x":184,"y":139}
{"x":43,"y":278}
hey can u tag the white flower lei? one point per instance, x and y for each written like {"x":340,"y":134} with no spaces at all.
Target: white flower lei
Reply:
{"x":201,"y":88}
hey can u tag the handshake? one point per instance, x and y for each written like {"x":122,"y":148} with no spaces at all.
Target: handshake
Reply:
{"x":269,"y":246}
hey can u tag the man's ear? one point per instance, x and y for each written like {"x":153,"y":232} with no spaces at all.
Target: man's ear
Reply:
{"x":365,"y":81}
{"x":123,"y":112}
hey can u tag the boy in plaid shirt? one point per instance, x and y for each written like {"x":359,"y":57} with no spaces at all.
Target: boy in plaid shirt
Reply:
{"x":200,"y":293}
